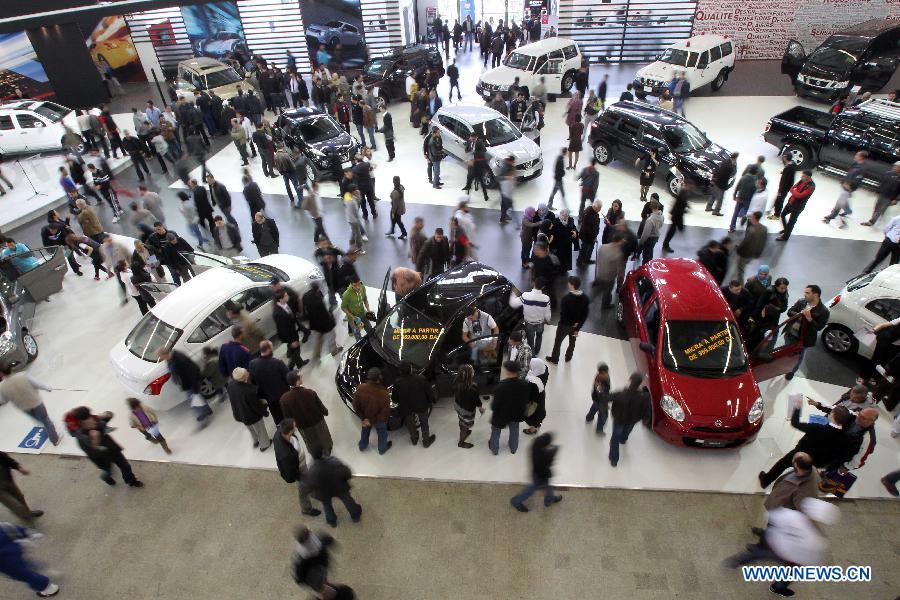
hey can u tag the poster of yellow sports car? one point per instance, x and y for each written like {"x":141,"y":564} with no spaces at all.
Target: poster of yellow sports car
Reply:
{"x":112,"y":50}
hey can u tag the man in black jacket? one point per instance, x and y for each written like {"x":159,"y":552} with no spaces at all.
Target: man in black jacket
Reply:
{"x":413,"y":396}
{"x":788,"y":174}
{"x":888,"y":193}
{"x":186,"y":375}
{"x":220,"y":197}
{"x":291,"y":461}
{"x":285,"y":318}
{"x":201,"y":201}
{"x":253,"y":195}
{"x":559,"y":171}
{"x":247,"y":408}
{"x":387,"y":128}
{"x":722,"y":179}
{"x":434,"y":256}
{"x":321,"y":321}
{"x":629,"y":407}
{"x":270,"y":376}
{"x":511,"y":396}
{"x":136,"y":150}
{"x":478,"y":165}
{"x":170,"y":256}
{"x":94,"y":439}
{"x":329,"y":478}
{"x":543,"y":452}
{"x":573,"y":312}
{"x":453,"y":74}
{"x":266,"y":147}
{"x":828,"y":445}
{"x":816,"y":316}
{"x":10,"y":494}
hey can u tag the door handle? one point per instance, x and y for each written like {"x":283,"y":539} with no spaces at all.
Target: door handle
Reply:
{"x":59,"y":267}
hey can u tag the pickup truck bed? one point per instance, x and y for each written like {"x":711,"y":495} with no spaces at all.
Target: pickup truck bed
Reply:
{"x":800,"y":131}
{"x":806,"y":117}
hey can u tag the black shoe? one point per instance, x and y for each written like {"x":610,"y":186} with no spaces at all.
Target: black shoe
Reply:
{"x":108,"y":480}
{"x":414,"y":440}
{"x":553,"y":500}
{"x":789,"y":376}
{"x":402,"y":237}
{"x":761,"y":476}
{"x":718,"y":214}
{"x":305,"y":337}
{"x":613,"y":462}
{"x":551,"y":360}
{"x":136,"y":484}
{"x":429,"y":440}
{"x":37,"y":513}
{"x":568,"y":358}
{"x":387,"y":446}
{"x":519,"y":507}
{"x":668,"y":249}
{"x":313,"y":512}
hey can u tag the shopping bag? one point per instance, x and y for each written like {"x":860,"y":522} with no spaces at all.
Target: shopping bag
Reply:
{"x":836,"y":482}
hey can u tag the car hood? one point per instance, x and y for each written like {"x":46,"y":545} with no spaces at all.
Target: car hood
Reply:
{"x":501,"y":75}
{"x":343,"y":142}
{"x":728,"y":398}
{"x":811,"y":69}
{"x":523,"y":149}
{"x":659,"y":71}
{"x":708,"y":158}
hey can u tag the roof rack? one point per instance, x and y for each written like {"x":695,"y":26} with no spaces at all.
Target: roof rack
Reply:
{"x":881,"y":108}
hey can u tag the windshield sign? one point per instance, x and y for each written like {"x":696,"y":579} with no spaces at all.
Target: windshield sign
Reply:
{"x":497,"y":132}
{"x":703,"y":348}
{"x":406,"y":334}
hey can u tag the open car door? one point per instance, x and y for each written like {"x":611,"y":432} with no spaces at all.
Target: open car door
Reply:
{"x":201,"y":261}
{"x":157,"y":291}
{"x":793,"y":59}
{"x":382,"y":309}
{"x":779,"y":349}
{"x":39,"y":271}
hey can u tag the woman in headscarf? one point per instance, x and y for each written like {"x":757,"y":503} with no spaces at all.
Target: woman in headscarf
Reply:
{"x":613,"y":216}
{"x":467,"y":401}
{"x":537,"y":375}
{"x":564,"y":239}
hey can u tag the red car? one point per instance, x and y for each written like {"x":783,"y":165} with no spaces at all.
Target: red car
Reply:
{"x":686,"y":341}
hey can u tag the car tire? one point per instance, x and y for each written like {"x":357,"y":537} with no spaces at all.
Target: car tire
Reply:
{"x":80,"y":148}
{"x":207,"y":388}
{"x":568,"y":81}
{"x":673,"y":184}
{"x":837,"y":339}
{"x":333,"y":42}
{"x":29,"y":344}
{"x":488,"y":180}
{"x":799,"y":154}
{"x":602,"y":153}
{"x":719,"y":81}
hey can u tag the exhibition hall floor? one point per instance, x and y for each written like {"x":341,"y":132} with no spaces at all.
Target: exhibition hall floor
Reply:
{"x":78,"y":327}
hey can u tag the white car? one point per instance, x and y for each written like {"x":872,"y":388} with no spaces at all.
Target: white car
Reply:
{"x":554,"y":59}
{"x":34,"y":126}
{"x":704,"y":59}
{"x":194,"y":315}
{"x":864,"y":302}
{"x":501,"y":137}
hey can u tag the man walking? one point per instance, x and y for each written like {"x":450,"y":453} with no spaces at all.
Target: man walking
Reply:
{"x":816,"y":315}
{"x":435,"y":156}
{"x":754,"y":243}
{"x":291,"y":461}
{"x":303,"y":406}
{"x":413,"y":395}
{"x":890,"y":245}
{"x":888,"y":193}
{"x":511,"y":395}
{"x":321,"y":322}
{"x":93,"y":437}
{"x":10,"y":495}
{"x":559,"y":172}
{"x":790,"y":489}
{"x":270,"y":376}
{"x":543,"y":453}
{"x":590,"y":181}
{"x":800,"y":194}
{"x":372,"y":402}
{"x":187,"y":376}
{"x":573,"y":311}
{"x":589,"y":222}
{"x":329,"y":478}
{"x":722,"y":179}
{"x":535,"y":306}
{"x":22,"y":390}
{"x":453,"y":74}
{"x":629,"y":406}
{"x":785,"y":183}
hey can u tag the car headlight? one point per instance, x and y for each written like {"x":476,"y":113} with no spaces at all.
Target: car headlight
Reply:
{"x":7,"y":343}
{"x":315,"y":151}
{"x":756,"y":411}
{"x":671,"y":407}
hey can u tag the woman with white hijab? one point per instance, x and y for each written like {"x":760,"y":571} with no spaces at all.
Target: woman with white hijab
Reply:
{"x":535,"y":413}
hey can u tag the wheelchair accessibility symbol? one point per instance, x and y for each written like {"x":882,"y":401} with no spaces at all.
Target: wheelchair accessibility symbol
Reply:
{"x":35,"y":439}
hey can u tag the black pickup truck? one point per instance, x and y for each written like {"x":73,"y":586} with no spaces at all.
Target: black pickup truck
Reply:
{"x":814,"y":138}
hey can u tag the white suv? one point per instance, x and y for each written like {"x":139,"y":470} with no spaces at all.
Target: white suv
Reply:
{"x":864,"y":302}
{"x":555,"y":60}
{"x":704,"y":59}
{"x":34,"y":126}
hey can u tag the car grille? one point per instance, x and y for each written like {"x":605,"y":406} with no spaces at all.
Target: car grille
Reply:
{"x":490,"y":87}
{"x":827,"y":84}
{"x":716,"y":429}
{"x":693,"y":443}
{"x":527,"y":165}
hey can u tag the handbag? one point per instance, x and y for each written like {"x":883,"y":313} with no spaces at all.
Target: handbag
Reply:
{"x":530,"y":408}
{"x":837,"y":483}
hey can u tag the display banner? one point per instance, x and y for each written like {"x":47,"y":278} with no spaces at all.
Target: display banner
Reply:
{"x":762,"y":30}
{"x":334,"y":33}
{"x":20,"y":69}
{"x":112,"y":50}
{"x":215,"y":30}
{"x":467,"y":8}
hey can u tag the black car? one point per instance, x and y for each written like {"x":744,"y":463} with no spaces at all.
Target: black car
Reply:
{"x":865,"y":55}
{"x":424,"y":328}
{"x":388,"y":73}
{"x":815,"y":138}
{"x":327,"y":147}
{"x":628,"y":130}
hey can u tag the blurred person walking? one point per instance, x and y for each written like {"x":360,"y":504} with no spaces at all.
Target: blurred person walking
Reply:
{"x":543,"y":453}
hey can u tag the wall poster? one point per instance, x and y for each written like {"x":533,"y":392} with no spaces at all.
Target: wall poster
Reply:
{"x":20,"y":69}
{"x":215,"y":30}
{"x":334,"y":33}
{"x":112,"y":50}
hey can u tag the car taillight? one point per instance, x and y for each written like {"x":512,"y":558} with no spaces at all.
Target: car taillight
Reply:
{"x":156,"y":385}
{"x":834,"y":301}
{"x":768,"y":127}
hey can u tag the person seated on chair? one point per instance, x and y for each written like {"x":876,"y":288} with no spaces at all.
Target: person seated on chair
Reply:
{"x":477,"y":329}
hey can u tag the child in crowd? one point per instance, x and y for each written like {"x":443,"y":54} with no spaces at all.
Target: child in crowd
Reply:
{"x":144,"y":419}
{"x":842,"y":206}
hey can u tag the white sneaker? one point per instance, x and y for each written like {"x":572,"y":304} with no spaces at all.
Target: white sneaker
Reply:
{"x":115,"y":219}
{"x":51,"y":590}
{"x":365,"y":238}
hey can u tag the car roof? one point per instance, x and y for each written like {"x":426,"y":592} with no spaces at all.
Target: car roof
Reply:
{"x":869,"y":29}
{"x":298,"y":114}
{"x":545,"y":45}
{"x":473,"y":115}
{"x":700,"y":43}
{"x":646,"y":112}
{"x":687,"y":291}
{"x":203,"y":64}
{"x":888,"y":278}
{"x":209,"y":288}
{"x":21,"y":105}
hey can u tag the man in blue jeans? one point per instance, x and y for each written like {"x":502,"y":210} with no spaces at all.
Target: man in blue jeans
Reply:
{"x":329,"y":478}
{"x":815,"y":316}
{"x":543,"y":451}
{"x":628,"y":408}
{"x":14,"y":565}
{"x":372,"y":402}
{"x":511,"y":396}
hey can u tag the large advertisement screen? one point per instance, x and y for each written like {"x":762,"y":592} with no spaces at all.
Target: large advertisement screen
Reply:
{"x":334,"y":33}
{"x":21,"y":70}
{"x":215,"y":30}
{"x":109,"y":42}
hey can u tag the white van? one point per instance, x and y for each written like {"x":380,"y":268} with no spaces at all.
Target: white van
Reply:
{"x":28,"y":126}
{"x":704,"y":59}
{"x":555,"y":59}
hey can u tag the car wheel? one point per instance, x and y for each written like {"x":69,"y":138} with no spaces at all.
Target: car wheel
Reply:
{"x":80,"y":148}
{"x":380,"y":101}
{"x":602,"y":153}
{"x":673,"y":184}
{"x":719,"y":81}
{"x":567,"y":82}
{"x":799,"y":155}
{"x":30,"y":345}
{"x":334,"y":42}
{"x":207,"y":388}
{"x":839,"y":340}
{"x":488,"y":180}
{"x":620,"y":312}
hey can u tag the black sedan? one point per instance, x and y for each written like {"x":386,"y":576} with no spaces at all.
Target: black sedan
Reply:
{"x":326,"y":145}
{"x":424,"y":328}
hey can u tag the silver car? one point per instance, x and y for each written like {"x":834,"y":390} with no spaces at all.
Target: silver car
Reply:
{"x":502,"y":138}
{"x":333,"y":33}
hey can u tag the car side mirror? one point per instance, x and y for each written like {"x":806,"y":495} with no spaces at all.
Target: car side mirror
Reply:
{"x":647,"y":347}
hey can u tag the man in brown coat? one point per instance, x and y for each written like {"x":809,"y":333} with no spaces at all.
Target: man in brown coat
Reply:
{"x":791,"y":488}
{"x":372,"y":402}
{"x":306,"y":409}
{"x":90,"y":224}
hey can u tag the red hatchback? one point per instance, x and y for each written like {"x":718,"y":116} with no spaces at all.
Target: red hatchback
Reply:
{"x":686,"y":341}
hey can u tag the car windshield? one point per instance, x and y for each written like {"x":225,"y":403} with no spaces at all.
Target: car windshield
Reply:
{"x":703,"y":348}
{"x":333,"y":24}
{"x":51,"y":111}
{"x":685,"y":138}
{"x":517,"y":60}
{"x":220,"y":78}
{"x":406,"y":334}
{"x":379,"y":66}
{"x":674,"y":57}
{"x":838,"y":52}
{"x":149,"y":335}
{"x":497,"y":132}
{"x":317,"y":129}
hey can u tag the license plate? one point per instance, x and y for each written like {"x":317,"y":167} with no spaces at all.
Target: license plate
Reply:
{"x":647,"y":88}
{"x":346,"y":165}
{"x":712,"y":443}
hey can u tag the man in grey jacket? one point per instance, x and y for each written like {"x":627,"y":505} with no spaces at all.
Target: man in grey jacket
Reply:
{"x":754,"y":243}
{"x":609,"y":268}
{"x":650,"y":233}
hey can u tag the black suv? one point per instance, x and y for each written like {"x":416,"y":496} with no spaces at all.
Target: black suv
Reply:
{"x":388,"y":73}
{"x":327,"y":147}
{"x":865,"y":55}
{"x":811,"y":137}
{"x":628,"y":130}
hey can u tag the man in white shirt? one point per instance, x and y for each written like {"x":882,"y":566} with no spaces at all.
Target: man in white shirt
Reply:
{"x":477,"y":329}
{"x":889,"y":245}
{"x":536,"y":312}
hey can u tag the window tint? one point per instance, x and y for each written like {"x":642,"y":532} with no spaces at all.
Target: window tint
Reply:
{"x":570,"y":52}
{"x":551,"y":66}
{"x":6,"y":123}
{"x":704,"y":61}
{"x":886,"y":308}
{"x":651,"y":322}
{"x":449,"y":123}
{"x":29,"y":121}
{"x":556,"y":54}
{"x":644,"y":289}
{"x":692,"y":59}
{"x":726,"y":49}
{"x":628,"y":127}
{"x":715,"y":54}
{"x":211,"y":326}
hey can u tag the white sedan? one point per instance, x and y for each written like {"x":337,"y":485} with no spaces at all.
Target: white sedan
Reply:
{"x":866,"y":301}
{"x":194,"y":315}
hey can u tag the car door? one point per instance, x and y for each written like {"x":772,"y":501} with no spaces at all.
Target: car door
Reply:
{"x":381,"y":310}
{"x":884,"y":151}
{"x":450,"y":127}
{"x":37,"y":135}
{"x":40,"y":271}
{"x":702,"y":73}
{"x":879,"y":62}
{"x":552,"y":72}
{"x":793,"y":59}
{"x":880,"y":310}
{"x":11,"y":139}
{"x":772,"y":359}
{"x":627,"y":134}
{"x":847,"y":136}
